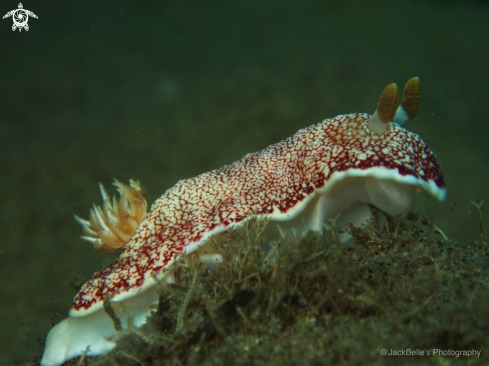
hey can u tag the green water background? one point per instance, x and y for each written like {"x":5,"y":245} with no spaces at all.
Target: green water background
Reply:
{"x":162,"y":91}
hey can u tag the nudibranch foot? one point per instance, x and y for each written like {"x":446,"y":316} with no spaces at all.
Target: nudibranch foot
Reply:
{"x":71,"y":336}
{"x":111,"y":226}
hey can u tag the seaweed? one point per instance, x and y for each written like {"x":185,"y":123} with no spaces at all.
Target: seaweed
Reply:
{"x":308,"y":300}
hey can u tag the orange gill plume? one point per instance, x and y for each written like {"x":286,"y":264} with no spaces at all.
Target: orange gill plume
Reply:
{"x":387,"y":109}
{"x":115,"y":223}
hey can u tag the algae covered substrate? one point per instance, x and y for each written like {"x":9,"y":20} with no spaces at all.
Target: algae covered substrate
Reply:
{"x":305,"y":299}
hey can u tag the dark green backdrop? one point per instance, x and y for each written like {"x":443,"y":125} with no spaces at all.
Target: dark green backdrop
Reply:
{"x":161,"y":91}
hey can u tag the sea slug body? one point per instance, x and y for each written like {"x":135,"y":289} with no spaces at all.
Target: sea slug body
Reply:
{"x":338,"y":166}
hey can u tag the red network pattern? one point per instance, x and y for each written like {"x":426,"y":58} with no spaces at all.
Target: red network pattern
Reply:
{"x":276,"y":178}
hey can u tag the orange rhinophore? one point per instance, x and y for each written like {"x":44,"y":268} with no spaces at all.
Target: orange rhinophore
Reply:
{"x":386,"y":108}
{"x":410,"y":101}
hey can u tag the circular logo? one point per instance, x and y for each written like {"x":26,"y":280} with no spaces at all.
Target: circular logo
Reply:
{"x":20,"y":18}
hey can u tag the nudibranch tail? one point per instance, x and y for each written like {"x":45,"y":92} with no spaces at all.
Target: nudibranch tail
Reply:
{"x":114,"y":224}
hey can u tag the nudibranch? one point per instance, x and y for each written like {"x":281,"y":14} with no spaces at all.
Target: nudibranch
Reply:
{"x":339,"y":166}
